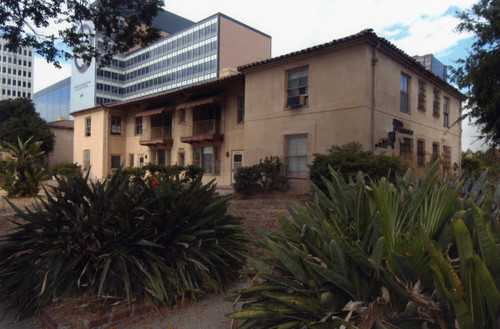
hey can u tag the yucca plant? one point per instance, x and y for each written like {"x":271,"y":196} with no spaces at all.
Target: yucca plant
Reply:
{"x":118,"y":239}
{"x":359,"y":256}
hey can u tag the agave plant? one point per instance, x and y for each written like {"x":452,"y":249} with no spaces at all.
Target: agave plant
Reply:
{"x":359,"y":256}
{"x":118,"y":239}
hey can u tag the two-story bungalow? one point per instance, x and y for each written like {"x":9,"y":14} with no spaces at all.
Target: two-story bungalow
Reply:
{"x":359,"y":88}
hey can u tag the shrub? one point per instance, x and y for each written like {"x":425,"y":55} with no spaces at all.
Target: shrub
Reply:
{"x":380,"y":256}
{"x":472,"y":166}
{"x":121,"y":239}
{"x":66,"y":169}
{"x":349,"y":159}
{"x":23,"y":175}
{"x":192,"y":172}
{"x":262,"y":177}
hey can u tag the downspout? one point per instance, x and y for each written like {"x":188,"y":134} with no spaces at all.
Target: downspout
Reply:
{"x":374,"y":63}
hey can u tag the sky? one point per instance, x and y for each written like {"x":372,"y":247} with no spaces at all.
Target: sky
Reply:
{"x":416,"y":27}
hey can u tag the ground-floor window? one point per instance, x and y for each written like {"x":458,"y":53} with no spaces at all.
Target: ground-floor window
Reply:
{"x":421,"y":153}
{"x":116,"y":161}
{"x":406,"y":148}
{"x":86,"y":159}
{"x":162,"y":157}
{"x":446,"y":158}
{"x":207,"y":158}
{"x":296,"y":155}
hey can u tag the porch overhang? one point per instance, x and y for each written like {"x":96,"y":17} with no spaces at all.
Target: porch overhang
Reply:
{"x":196,"y":102}
{"x":157,"y":142}
{"x":154,"y":111}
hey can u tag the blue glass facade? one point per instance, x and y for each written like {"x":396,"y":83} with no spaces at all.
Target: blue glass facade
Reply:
{"x":54,"y":101}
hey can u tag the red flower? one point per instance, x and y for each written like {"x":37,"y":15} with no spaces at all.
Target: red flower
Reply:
{"x":154,"y":182}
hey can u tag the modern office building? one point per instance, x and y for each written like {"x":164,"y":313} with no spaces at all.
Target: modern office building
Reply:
{"x":16,"y":73}
{"x":359,"y":88}
{"x":52,"y":103}
{"x":433,"y":64}
{"x":190,"y":53}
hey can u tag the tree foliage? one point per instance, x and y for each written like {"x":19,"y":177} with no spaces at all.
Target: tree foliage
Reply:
{"x":119,"y":24}
{"x":480,"y":71}
{"x":18,"y":119}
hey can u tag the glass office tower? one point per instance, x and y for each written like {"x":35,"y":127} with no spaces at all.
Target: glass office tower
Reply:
{"x":52,"y":102}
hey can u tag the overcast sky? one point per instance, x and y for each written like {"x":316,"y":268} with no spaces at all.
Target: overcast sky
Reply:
{"x":416,"y":27}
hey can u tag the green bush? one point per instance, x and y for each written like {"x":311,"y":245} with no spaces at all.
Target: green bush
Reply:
{"x":262,"y":177}
{"x":381,"y":255}
{"x":349,"y":159}
{"x":23,"y":175}
{"x":159,"y":240}
{"x":472,"y":166}
{"x":66,"y":168}
{"x":192,"y":172}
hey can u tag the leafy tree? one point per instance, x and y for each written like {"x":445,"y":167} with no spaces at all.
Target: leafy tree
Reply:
{"x":480,"y":71}
{"x":18,"y":119}
{"x":119,"y":24}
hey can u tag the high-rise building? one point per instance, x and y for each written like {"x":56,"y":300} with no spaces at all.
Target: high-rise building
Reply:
{"x":52,"y":103}
{"x":190,"y":53}
{"x":16,"y":73}
{"x":433,"y":64}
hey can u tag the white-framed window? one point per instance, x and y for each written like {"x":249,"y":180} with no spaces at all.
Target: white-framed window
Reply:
{"x":297,"y":88}
{"x":296,"y":155}
{"x":86,"y":159}
{"x":207,"y":158}
{"x":116,"y":125}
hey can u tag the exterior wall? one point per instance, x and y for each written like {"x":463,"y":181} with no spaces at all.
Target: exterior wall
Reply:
{"x":97,"y":143}
{"x":63,"y":148}
{"x":337,"y":111}
{"x":128,"y":143}
{"x":240,"y":44}
{"x":425,"y":125}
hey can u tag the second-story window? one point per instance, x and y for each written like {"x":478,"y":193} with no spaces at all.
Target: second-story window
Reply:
{"x":446,"y":112}
{"x":88,"y":126}
{"x":297,"y":87}
{"x":436,"y":103}
{"x":138,"y":126}
{"x":421,"y":96}
{"x":116,"y":125}
{"x":404,"y":105}
{"x":241,"y":109}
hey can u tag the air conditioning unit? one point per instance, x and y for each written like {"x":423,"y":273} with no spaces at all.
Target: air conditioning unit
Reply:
{"x":296,"y":101}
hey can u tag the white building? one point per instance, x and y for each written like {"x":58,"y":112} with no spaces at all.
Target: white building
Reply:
{"x":16,"y":74}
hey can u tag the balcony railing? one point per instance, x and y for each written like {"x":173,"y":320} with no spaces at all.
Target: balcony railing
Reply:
{"x":206,"y":127}
{"x":156,"y":135}
{"x":205,"y":130}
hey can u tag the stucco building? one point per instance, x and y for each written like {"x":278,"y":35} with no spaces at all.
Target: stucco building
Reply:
{"x":359,"y":88}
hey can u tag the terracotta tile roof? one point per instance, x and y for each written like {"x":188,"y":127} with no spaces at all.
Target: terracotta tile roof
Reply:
{"x":367,"y":34}
{"x":62,"y":124}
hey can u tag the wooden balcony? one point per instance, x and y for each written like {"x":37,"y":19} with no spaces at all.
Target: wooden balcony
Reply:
{"x":205,"y":131}
{"x":157,"y":136}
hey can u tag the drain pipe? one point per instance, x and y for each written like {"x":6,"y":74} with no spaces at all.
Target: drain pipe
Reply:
{"x":374,"y":63}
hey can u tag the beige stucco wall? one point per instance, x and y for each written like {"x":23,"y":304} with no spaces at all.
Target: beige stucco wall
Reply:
{"x":63,"y":147}
{"x":240,"y":44}
{"x":103,"y":143}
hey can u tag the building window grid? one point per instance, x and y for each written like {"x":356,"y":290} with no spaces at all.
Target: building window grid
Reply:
{"x":296,"y":155}
{"x":404,"y":105}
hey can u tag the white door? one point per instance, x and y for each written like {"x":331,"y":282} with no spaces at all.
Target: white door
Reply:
{"x":236,"y":162}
